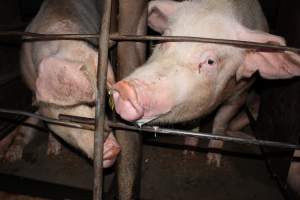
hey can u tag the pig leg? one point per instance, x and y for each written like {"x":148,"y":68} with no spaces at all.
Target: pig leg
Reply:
{"x":220,"y":125}
{"x":54,"y":145}
{"x":242,"y":120}
{"x":6,"y":142}
{"x":192,"y":142}
{"x":24,"y":134}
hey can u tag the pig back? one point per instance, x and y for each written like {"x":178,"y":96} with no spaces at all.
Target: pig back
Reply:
{"x":82,"y":14}
{"x":250,"y":14}
{"x":246,"y":12}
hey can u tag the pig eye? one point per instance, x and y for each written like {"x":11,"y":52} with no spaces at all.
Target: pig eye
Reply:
{"x":210,"y":62}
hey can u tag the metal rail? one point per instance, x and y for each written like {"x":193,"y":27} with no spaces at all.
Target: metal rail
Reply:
{"x":116,"y":37}
{"x":87,"y":123}
{"x":100,"y":101}
{"x":156,"y":129}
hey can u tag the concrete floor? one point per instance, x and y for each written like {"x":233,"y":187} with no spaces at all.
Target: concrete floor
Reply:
{"x":166,"y":174}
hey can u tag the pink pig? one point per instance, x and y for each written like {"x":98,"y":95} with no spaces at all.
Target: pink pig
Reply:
{"x":62,"y":73}
{"x":182,"y":81}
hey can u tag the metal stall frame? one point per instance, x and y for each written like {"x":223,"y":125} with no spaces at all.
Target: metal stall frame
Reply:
{"x":106,"y":40}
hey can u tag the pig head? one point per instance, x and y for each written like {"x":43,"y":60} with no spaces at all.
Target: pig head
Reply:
{"x":62,"y":73}
{"x":184,"y":80}
{"x":69,"y":77}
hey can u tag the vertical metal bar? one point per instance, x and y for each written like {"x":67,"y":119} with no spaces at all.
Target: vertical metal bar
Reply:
{"x":100,"y":101}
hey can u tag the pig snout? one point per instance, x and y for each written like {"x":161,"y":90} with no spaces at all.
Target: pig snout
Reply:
{"x":126,"y":101}
{"x":138,"y":100}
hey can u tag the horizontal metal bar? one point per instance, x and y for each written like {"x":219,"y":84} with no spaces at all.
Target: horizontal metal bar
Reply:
{"x":37,"y":36}
{"x":117,"y":37}
{"x":47,"y":119}
{"x":238,"y":43}
{"x":29,"y":36}
{"x":156,"y":129}
{"x":79,"y":122}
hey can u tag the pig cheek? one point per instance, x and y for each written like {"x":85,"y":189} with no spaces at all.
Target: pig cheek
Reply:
{"x":159,"y":108}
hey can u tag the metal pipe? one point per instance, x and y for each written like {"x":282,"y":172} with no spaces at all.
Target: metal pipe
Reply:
{"x":117,"y":37}
{"x":29,"y":36}
{"x":87,"y":123}
{"x":237,"y":43}
{"x":100,"y":101}
{"x":156,"y":129}
{"x":47,"y":119}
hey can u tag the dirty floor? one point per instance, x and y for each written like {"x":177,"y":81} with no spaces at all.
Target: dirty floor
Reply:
{"x":166,"y":174}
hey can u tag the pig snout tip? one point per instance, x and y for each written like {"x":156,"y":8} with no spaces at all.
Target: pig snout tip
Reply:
{"x":126,"y":102}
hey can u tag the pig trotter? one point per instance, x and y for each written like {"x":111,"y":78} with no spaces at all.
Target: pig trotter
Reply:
{"x":14,"y":153}
{"x":111,"y":151}
{"x":214,"y":159}
{"x":23,"y":135}
{"x":220,"y":125}
{"x":190,"y":142}
{"x":6,"y":142}
{"x":54,"y":146}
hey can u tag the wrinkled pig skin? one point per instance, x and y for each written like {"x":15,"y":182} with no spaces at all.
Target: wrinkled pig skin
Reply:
{"x":183,"y":81}
{"x":62,"y":73}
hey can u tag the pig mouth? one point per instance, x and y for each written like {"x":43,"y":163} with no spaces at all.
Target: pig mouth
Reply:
{"x":127,"y":108}
{"x":138,"y":102}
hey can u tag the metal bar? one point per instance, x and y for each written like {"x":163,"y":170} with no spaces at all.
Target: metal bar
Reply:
{"x":29,"y":36}
{"x":183,"y":133}
{"x":238,"y":43}
{"x":117,"y":37}
{"x":47,"y":119}
{"x":100,"y":101}
{"x":87,"y":123}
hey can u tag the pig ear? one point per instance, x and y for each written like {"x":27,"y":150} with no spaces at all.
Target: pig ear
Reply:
{"x":63,"y":82}
{"x":159,"y":12}
{"x":270,"y":65}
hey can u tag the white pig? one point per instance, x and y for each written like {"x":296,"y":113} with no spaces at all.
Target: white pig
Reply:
{"x":62,"y":73}
{"x":182,"y":81}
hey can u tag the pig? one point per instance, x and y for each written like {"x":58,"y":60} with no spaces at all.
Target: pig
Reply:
{"x":183,"y":81}
{"x":62,"y":73}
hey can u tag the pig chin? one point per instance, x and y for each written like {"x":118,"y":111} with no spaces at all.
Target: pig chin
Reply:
{"x":182,"y":113}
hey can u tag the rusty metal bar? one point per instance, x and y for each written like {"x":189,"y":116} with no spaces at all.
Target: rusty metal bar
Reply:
{"x":156,"y":129}
{"x":237,"y":43}
{"x":117,"y":37}
{"x":100,"y":101}
{"x":87,"y":123}
{"x":29,"y":36}
{"x":48,"y":120}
